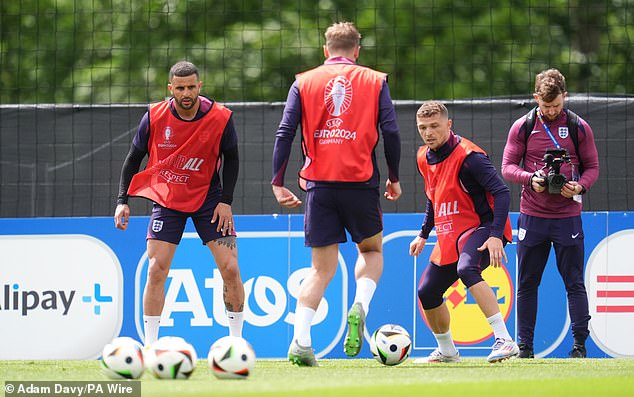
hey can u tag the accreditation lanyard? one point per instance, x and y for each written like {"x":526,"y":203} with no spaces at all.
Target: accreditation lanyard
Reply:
{"x":550,"y":134}
{"x":552,"y":138}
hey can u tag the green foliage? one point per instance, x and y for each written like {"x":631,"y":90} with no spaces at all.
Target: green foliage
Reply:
{"x":119,"y":51}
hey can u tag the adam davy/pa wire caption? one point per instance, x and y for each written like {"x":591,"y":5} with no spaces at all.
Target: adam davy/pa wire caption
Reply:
{"x":126,"y":388}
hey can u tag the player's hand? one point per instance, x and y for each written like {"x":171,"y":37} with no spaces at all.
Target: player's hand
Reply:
{"x":121,"y":216}
{"x":223,"y":217}
{"x":496,"y":251}
{"x":416,"y":246}
{"x":571,"y":188}
{"x":538,"y":181}
{"x":285,"y":197}
{"x":392,"y":190}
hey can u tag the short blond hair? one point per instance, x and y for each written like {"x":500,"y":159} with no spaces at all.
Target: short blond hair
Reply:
{"x":430,"y":109}
{"x":342,"y":36}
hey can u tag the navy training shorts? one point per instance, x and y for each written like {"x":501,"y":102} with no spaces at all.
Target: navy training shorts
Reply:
{"x":331,"y":211}
{"x":168,"y":225}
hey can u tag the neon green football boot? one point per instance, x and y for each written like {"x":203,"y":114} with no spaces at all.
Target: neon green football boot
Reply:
{"x":354,"y":336}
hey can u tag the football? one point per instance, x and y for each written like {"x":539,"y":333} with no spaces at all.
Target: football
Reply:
{"x":390,"y":344}
{"x":231,"y":357}
{"x":171,"y":357}
{"x":123,"y":359}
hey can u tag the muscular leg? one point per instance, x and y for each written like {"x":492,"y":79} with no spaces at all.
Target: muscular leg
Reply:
{"x":312,"y":289}
{"x":160,"y":255}
{"x":486,"y":299}
{"x":436,"y":281}
{"x":368,"y":269}
{"x":225,"y":254}
{"x":471,"y":263}
{"x":370,"y":261}
{"x":438,"y":319}
{"x":323,"y":269}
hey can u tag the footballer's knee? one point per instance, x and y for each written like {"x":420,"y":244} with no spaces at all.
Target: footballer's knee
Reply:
{"x":158,"y":269}
{"x":429,"y":298}
{"x":229,"y":270}
{"x":321,"y":275}
{"x":469,"y":276}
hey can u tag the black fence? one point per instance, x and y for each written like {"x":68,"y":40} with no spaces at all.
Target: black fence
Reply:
{"x":65,"y":160}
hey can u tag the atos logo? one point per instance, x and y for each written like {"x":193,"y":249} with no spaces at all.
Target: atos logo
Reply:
{"x":97,"y":298}
{"x":468,"y":325}
{"x":194,"y":305}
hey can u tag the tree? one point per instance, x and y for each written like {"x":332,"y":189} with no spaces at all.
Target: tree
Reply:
{"x":119,"y":51}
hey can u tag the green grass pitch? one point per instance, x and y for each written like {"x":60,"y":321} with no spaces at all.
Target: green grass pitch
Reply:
{"x":365,"y":377}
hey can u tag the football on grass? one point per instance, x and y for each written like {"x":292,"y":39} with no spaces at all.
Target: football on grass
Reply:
{"x":390,"y":344}
{"x":231,"y":357}
{"x":171,"y":357}
{"x":123,"y":359}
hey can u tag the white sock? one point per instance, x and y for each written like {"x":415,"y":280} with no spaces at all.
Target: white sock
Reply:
{"x":151,"y":326}
{"x":445,"y":344}
{"x":365,"y":292}
{"x":499,"y":327}
{"x":303,"y":321}
{"x":236,"y":319}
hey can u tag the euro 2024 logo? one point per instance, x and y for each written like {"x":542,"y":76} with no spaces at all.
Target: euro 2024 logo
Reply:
{"x":338,"y":95}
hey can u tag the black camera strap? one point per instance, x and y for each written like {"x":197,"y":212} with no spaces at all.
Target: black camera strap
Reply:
{"x":573,"y":130}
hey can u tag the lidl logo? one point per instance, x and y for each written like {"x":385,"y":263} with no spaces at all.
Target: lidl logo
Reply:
{"x":468,"y":324}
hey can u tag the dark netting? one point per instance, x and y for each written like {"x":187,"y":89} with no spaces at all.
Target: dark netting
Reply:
{"x":66,"y":160}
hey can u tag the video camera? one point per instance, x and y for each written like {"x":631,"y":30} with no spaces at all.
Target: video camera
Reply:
{"x":553,"y":159}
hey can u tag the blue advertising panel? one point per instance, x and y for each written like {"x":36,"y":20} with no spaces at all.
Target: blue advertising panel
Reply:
{"x":84,"y":271}
{"x":273,"y":263}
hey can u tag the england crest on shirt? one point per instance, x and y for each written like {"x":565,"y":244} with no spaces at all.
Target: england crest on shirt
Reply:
{"x":157,"y":226}
{"x":563,"y":132}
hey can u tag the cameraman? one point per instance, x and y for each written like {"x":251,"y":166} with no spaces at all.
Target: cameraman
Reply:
{"x":550,"y":218}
